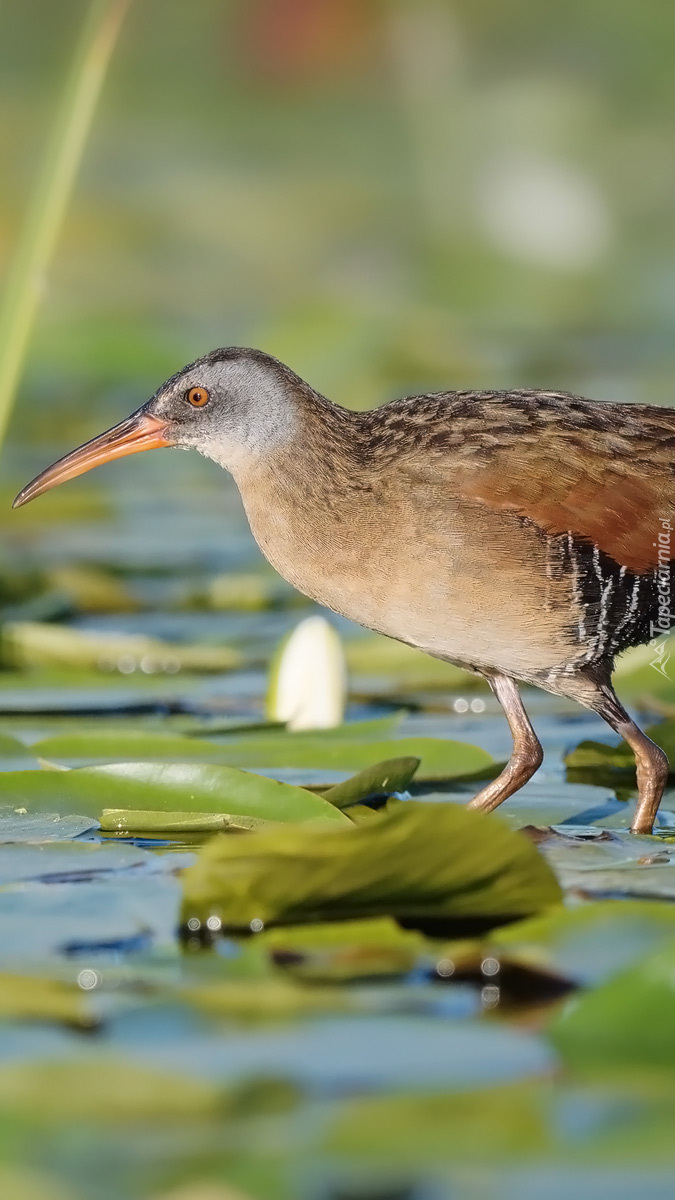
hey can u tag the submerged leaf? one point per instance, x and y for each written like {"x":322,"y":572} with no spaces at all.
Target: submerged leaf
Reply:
{"x":418,"y":861}
{"x":41,"y":827}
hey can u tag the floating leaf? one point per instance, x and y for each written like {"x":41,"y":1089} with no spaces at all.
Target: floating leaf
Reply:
{"x":125,"y":820}
{"x":31,"y":998}
{"x":419,"y":861}
{"x":168,"y":787}
{"x":276,"y":999}
{"x":11,"y":747}
{"x":342,"y":951}
{"x":628,"y":1020}
{"x":27,"y":643}
{"x":440,"y":759}
{"x":102,"y":1089}
{"x":383,"y":778}
{"x":488,"y":1125}
{"x":593,"y":942}
{"x":133,"y":744}
{"x":589,"y":755}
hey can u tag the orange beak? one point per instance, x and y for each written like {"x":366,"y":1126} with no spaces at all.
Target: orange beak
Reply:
{"x":137,"y":432}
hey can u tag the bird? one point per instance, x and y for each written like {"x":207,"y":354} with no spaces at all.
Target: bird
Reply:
{"x":523,"y":535}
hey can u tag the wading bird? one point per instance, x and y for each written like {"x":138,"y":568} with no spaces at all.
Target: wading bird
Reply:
{"x":518,"y":534}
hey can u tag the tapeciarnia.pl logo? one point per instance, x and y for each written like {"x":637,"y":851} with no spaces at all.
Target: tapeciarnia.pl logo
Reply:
{"x":660,"y":628}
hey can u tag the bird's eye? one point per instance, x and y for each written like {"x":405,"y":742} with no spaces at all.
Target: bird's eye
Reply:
{"x":197,"y":397}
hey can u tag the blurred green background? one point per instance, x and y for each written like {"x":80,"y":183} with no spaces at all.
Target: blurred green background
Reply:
{"x":390,"y":195}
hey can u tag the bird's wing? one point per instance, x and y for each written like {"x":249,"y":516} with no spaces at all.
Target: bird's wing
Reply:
{"x":605,"y":473}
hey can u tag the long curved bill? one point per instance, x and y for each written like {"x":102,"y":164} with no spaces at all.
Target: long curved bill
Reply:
{"x":138,"y":432}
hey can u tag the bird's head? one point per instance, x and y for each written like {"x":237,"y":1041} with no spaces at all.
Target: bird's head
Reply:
{"x":234,"y":405}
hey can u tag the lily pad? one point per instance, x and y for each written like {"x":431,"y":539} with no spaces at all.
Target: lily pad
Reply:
{"x":342,"y":951}
{"x":628,"y":1020}
{"x":383,"y":778}
{"x":32,"y":998}
{"x":167,"y":787}
{"x":103,"y":1089}
{"x":592,"y":943}
{"x":11,"y":747}
{"x":440,"y":759}
{"x":28,"y":643}
{"x":277,"y":999}
{"x":130,"y":820}
{"x":418,"y":861}
{"x":590,"y":755}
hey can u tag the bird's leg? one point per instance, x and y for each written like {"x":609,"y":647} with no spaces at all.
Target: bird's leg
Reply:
{"x":527,"y":754}
{"x":650,"y":760}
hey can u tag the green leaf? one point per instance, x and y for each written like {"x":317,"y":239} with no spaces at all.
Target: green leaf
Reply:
{"x":102,"y":1089}
{"x":591,"y":943}
{"x":276,"y":999}
{"x":589,"y":755}
{"x":629,"y":1020}
{"x":383,"y":778}
{"x":440,"y":759}
{"x":634,"y":675}
{"x":29,"y":643}
{"x":11,"y":747}
{"x":486,"y":1125}
{"x":133,"y":820}
{"x":344,"y":951}
{"x":133,"y":744}
{"x":167,"y":787}
{"x":31,"y":998}
{"x":418,"y":861}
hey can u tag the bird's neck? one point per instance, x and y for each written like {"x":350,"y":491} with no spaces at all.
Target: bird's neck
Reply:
{"x":304,"y":499}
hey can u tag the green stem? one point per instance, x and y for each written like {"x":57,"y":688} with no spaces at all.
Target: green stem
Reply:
{"x":52,"y":190}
